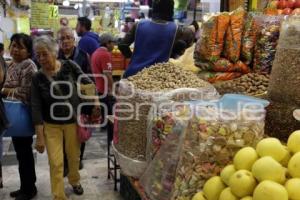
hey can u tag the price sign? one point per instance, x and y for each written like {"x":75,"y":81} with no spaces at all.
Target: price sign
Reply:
{"x":53,"y":12}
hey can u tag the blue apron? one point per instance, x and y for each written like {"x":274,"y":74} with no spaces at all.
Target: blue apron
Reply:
{"x":153,"y":44}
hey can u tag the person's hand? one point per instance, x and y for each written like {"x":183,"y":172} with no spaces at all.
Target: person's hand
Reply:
{"x":40,"y":140}
{"x":7,"y":91}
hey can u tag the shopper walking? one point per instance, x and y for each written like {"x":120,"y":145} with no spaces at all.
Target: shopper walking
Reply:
{"x":18,"y":83}
{"x":59,"y":128}
{"x":68,"y":51}
{"x":102,"y":65}
{"x":154,"y":40}
{"x":89,"y":41}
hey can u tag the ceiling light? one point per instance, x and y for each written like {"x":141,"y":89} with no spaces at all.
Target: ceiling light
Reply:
{"x":66,"y":3}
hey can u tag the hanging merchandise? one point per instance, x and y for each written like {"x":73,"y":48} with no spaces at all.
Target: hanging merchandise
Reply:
{"x":218,"y":50}
{"x":266,"y":42}
{"x":211,"y":136}
{"x":234,"y":35}
{"x":249,"y":39}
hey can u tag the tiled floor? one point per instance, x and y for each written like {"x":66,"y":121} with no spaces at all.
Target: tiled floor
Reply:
{"x":93,"y":176}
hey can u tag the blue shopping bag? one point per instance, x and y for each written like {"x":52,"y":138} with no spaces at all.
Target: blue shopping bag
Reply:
{"x":19,"y":117}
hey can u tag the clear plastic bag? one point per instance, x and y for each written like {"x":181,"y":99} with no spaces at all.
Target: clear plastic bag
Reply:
{"x":249,"y":39}
{"x":284,"y":80}
{"x":131,"y":126}
{"x":234,"y":35}
{"x":211,"y":43}
{"x":266,"y":43}
{"x":206,"y":144}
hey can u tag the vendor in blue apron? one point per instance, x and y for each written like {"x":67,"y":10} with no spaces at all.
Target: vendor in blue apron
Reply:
{"x":154,"y":39}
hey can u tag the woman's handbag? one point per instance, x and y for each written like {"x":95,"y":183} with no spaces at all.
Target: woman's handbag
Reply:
{"x":19,"y":117}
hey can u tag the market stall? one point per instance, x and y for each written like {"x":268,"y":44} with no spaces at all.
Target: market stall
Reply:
{"x":188,"y":142}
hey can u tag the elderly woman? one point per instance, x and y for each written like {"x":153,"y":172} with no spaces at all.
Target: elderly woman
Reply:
{"x":18,"y":83}
{"x":52,"y":113}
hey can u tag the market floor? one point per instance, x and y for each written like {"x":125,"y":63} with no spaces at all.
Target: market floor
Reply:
{"x":93,"y":176}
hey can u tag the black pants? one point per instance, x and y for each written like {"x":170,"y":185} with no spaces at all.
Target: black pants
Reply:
{"x":109,"y":102}
{"x":23,"y":148}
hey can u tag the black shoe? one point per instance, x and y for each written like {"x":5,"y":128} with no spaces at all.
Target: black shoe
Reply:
{"x":80,"y":165}
{"x":15,"y":194}
{"x":78,"y":190}
{"x":25,"y":196}
{"x":66,"y":171}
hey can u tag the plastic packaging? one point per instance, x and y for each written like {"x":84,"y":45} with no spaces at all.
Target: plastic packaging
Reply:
{"x":234,"y":34}
{"x":132,"y":109}
{"x":266,"y":43}
{"x":285,"y":77}
{"x":130,"y":167}
{"x":249,"y":39}
{"x":215,"y":131}
{"x":211,"y":43}
{"x":214,"y":77}
{"x":224,"y":65}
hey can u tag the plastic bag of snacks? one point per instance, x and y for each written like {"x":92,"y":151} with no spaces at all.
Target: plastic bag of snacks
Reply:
{"x":210,"y":45}
{"x":266,"y":43}
{"x":224,"y":65}
{"x":249,"y":39}
{"x":284,"y":80}
{"x":214,"y":77}
{"x":213,"y":133}
{"x":234,"y":34}
{"x":207,"y":43}
{"x":139,"y":94}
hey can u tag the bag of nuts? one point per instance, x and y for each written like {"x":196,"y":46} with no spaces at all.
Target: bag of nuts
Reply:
{"x":207,"y":142}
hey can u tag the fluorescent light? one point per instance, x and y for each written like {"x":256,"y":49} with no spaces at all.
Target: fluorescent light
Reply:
{"x":66,"y":3}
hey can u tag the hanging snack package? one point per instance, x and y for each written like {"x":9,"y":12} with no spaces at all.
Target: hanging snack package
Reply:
{"x":285,"y":77}
{"x":234,"y":34}
{"x":212,"y":133}
{"x":266,"y":43}
{"x":223,"y":23}
{"x":210,"y":45}
{"x":249,"y":39}
{"x":206,"y":45}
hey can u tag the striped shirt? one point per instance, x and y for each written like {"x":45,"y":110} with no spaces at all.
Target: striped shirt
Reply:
{"x":19,"y":77}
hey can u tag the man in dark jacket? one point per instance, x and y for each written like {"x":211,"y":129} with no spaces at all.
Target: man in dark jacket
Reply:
{"x":89,"y":41}
{"x":68,"y":51}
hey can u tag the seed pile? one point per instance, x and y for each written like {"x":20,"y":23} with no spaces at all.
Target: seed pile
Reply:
{"x":166,"y":76}
{"x":252,"y":84}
